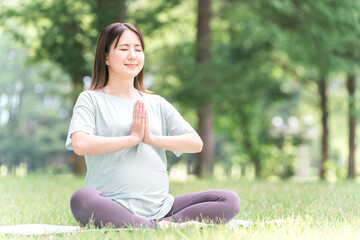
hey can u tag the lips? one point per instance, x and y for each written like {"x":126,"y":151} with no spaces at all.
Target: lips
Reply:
{"x":131,"y":65}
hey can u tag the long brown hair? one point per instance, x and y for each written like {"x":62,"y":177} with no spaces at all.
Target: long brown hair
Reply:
{"x":111,"y":33}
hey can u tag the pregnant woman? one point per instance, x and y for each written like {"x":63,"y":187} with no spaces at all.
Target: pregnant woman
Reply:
{"x":123,"y":131}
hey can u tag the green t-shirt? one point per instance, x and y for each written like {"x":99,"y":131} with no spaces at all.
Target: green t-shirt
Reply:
{"x":135,"y":177}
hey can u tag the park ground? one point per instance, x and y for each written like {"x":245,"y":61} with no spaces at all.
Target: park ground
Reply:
{"x":302,"y":209}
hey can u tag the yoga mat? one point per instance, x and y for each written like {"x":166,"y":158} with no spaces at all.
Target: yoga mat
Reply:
{"x":37,"y":229}
{"x":44,"y":229}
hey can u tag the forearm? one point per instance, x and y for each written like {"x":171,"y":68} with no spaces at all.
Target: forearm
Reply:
{"x":186,"y":143}
{"x":85,"y":144}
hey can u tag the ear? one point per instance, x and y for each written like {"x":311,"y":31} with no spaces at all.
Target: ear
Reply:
{"x":106,"y":59}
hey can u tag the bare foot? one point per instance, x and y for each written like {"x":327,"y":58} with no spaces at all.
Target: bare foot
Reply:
{"x":167,"y":224}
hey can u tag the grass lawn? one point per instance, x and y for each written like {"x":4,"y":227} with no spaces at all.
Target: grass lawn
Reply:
{"x":310,"y":209}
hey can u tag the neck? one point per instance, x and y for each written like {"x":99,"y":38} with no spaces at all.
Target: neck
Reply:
{"x":121,"y":88}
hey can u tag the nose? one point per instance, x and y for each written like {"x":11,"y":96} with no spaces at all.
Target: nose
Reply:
{"x":131,"y":54}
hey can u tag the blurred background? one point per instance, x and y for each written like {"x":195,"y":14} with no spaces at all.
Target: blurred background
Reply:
{"x":271,"y":86}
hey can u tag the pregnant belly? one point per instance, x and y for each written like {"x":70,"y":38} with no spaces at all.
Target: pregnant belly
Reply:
{"x":140,"y":179}
{"x":130,"y":172}
{"x":131,"y":178}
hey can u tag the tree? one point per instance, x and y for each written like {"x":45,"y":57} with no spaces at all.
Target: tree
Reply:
{"x":205,"y":162}
{"x":316,"y":30}
{"x":322,"y":87}
{"x":350,"y":66}
{"x":352,"y":125}
{"x":238,"y":77}
{"x":184,"y":57}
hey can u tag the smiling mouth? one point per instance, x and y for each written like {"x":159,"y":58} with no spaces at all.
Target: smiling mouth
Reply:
{"x":131,"y":65}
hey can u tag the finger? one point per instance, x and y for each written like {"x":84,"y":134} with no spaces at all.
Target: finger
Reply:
{"x":135,"y":107}
{"x":139,"y":106}
{"x":146,"y":116}
{"x":143,"y":116}
{"x":137,"y":112}
{"x":146,"y":120}
{"x":141,"y":111}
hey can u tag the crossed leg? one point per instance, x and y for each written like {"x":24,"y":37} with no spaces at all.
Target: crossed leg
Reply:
{"x":89,"y":204}
{"x":217,"y":206}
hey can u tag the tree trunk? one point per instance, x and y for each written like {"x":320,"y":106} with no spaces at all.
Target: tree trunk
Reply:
{"x":205,"y":161}
{"x":203,"y":41}
{"x":78,"y":164}
{"x":324,"y":120}
{"x":351,"y":91}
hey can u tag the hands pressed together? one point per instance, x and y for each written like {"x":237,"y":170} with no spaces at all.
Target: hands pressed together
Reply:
{"x":140,"y":128}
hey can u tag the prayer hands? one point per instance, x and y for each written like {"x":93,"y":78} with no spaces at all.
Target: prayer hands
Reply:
{"x":140,"y":124}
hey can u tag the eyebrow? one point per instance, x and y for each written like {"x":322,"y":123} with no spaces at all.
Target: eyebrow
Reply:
{"x":125,"y":44}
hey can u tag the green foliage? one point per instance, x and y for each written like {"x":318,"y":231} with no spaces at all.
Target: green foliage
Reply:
{"x":56,"y":31}
{"x":266,"y":56}
{"x":246,"y":85}
{"x":154,"y":16}
{"x":311,"y":34}
{"x":321,"y":33}
{"x":279,"y":160}
{"x":34,"y":117}
{"x":64,"y":32}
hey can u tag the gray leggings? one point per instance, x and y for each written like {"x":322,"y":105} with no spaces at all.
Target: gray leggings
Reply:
{"x":217,"y":206}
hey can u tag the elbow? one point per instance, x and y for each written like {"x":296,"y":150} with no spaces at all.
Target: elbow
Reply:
{"x":78,"y":148}
{"x":198,"y":143}
{"x":199,"y":146}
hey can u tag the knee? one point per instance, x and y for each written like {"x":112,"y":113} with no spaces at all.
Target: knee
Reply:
{"x":233,"y":202}
{"x":82,"y":198}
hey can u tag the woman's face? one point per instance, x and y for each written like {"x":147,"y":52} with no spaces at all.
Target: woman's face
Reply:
{"x":126,"y":60}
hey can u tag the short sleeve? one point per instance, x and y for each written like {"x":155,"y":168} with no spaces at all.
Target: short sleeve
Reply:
{"x":175,"y":124}
{"x":83,"y":118}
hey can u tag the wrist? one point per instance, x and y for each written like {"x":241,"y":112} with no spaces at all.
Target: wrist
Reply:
{"x":150,"y":139}
{"x":134,"y":140}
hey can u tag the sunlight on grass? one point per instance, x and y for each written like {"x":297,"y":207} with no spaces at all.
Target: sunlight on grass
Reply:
{"x":278,"y":209}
